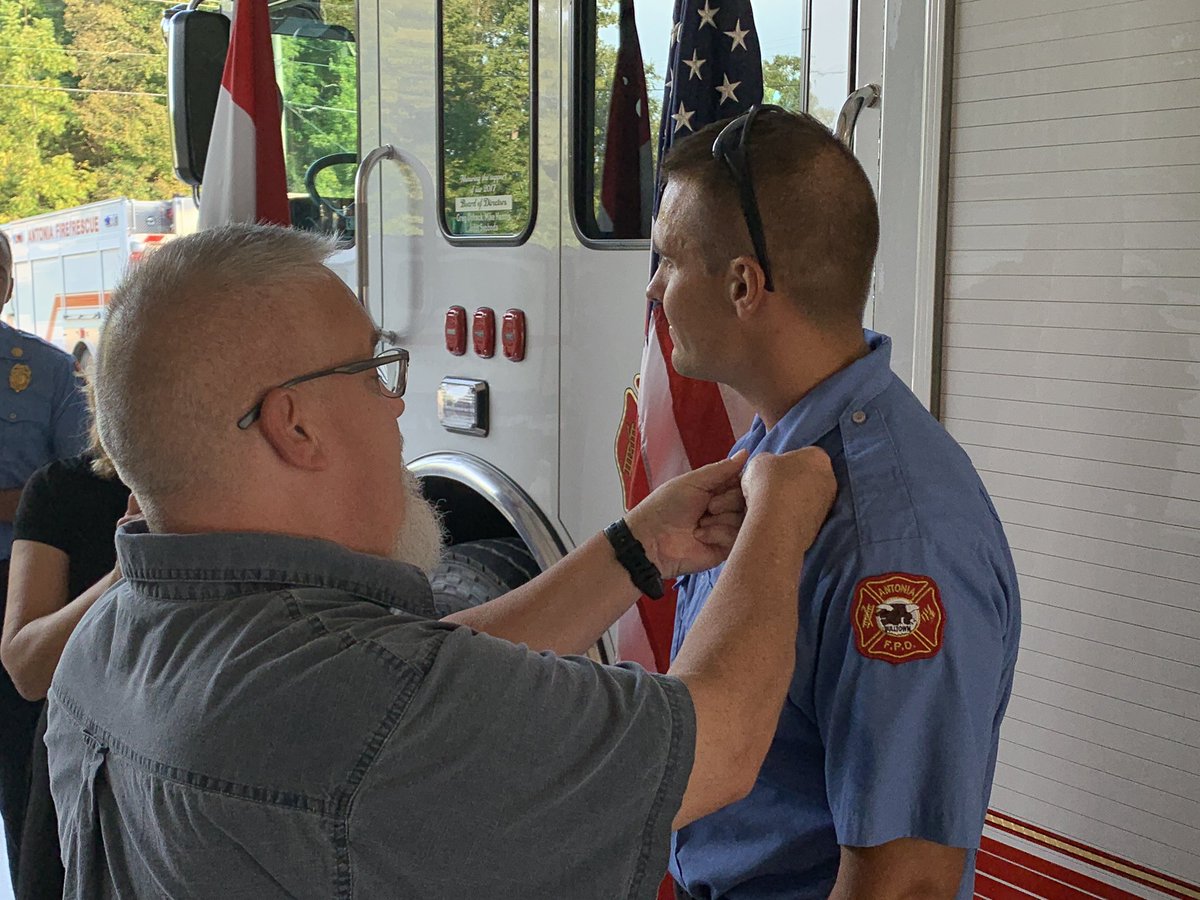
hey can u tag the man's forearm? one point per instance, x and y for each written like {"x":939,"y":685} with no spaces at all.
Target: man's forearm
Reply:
{"x":741,"y":648}
{"x":565,"y":609}
{"x":32,"y":654}
{"x":9,"y":501}
{"x":903,"y":869}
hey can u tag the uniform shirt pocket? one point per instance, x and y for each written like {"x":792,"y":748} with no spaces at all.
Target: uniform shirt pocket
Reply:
{"x":25,"y":423}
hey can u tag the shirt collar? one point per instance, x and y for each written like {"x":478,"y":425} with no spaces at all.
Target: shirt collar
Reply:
{"x":217,"y":566}
{"x":818,"y":412}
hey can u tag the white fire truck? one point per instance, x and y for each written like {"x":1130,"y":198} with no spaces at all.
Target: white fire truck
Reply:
{"x":67,"y":262}
{"x":1036,"y":168}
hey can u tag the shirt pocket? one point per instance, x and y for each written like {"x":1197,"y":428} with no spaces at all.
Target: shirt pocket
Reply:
{"x":25,"y":422}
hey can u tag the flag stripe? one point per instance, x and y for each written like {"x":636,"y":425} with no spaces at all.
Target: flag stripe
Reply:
{"x":245,"y":178}
{"x":699,"y":409}
{"x":662,"y":444}
{"x":228,"y":190}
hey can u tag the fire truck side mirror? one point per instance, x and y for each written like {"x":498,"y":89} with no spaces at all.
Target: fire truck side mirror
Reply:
{"x":197,"y":43}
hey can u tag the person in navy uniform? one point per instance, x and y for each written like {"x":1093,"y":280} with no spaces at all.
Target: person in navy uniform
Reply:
{"x":43,"y":417}
{"x":878,"y":778}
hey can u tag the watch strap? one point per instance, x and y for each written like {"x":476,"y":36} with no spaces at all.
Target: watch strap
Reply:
{"x":632,"y":556}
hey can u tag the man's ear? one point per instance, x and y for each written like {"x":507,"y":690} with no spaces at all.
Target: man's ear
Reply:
{"x":292,"y":434}
{"x":747,"y":287}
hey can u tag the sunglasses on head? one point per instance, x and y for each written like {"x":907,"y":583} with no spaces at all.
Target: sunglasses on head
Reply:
{"x":730,"y":146}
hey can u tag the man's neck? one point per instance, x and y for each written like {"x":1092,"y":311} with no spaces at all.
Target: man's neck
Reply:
{"x":795,"y":367}
{"x":259,"y":515}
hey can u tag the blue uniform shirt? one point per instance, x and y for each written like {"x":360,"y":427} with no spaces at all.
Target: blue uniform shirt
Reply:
{"x":43,"y":413}
{"x":909,"y":621}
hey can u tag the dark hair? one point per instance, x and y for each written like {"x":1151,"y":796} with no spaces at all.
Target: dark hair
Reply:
{"x":819,"y":214}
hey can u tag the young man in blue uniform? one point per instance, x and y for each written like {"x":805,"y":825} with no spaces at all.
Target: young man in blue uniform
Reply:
{"x":43,"y":417}
{"x":878,"y":778}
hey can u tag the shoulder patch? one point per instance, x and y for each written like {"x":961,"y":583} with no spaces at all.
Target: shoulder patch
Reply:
{"x":898,"y":617}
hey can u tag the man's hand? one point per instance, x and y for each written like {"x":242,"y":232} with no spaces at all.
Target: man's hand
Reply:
{"x":690,"y":523}
{"x":800,"y":483}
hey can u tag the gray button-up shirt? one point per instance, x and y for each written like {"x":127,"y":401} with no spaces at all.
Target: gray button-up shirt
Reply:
{"x":263,"y":716}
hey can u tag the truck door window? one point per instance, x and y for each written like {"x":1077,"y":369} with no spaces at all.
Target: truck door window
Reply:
{"x":486,"y":71}
{"x":789,"y":31}
{"x":316,"y":66}
{"x":47,"y":287}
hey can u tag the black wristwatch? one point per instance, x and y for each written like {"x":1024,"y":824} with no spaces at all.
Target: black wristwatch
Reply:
{"x":632,"y":555}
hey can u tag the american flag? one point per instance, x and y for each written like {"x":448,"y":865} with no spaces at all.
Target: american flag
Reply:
{"x":714,"y":72}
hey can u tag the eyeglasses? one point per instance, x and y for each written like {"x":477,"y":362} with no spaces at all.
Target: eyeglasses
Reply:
{"x":730,"y":146}
{"x":391,"y":366}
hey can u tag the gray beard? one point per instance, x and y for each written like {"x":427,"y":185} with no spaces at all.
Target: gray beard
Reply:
{"x":421,"y":537}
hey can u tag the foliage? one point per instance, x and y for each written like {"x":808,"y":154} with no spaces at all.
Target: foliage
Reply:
{"x":318,"y":79}
{"x":486,"y":111}
{"x":119,"y":55}
{"x":85,"y":114}
{"x":783,"y":83}
{"x":37,"y":171}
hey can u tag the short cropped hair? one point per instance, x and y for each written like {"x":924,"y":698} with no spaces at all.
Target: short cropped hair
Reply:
{"x":185,"y":331}
{"x":820,"y":219}
{"x":6,"y":257}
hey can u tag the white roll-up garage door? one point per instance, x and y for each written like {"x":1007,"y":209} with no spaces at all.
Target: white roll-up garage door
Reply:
{"x":1071,"y":374}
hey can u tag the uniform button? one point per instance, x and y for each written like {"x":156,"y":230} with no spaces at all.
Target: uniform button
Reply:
{"x":18,"y":352}
{"x":12,"y":415}
{"x":858,"y":417}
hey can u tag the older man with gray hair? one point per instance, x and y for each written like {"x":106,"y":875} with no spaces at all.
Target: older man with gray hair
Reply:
{"x":267,"y":705}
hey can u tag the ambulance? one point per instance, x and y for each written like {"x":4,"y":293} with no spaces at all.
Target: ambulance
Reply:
{"x":1036,"y":164}
{"x":66,"y":263}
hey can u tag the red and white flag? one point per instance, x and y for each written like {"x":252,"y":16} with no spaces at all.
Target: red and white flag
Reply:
{"x":244,"y":175}
{"x":627,"y":180}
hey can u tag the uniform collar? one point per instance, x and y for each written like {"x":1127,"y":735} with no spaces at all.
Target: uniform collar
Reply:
{"x":841,"y":394}
{"x":219,"y":566}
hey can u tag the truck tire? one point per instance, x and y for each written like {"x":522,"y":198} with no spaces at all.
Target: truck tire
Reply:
{"x":477,"y":571}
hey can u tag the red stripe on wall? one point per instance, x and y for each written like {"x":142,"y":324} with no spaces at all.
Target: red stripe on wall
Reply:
{"x":990,"y":889}
{"x":1039,"y":876}
{"x":1099,"y":859}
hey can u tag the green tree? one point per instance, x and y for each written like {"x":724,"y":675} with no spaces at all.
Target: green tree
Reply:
{"x":486,"y":110}
{"x":120,"y":61}
{"x":783,"y":84}
{"x":37,"y":173}
{"x":318,"y":79}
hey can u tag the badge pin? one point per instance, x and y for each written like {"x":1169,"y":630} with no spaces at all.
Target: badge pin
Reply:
{"x":19,"y":377}
{"x":17,"y":352}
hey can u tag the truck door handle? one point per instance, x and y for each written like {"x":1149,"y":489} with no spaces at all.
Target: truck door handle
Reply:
{"x":361,"y":219}
{"x":867,"y":95}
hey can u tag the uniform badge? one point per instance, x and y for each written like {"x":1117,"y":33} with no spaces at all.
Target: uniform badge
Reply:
{"x":19,"y":377}
{"x":898,"y":617}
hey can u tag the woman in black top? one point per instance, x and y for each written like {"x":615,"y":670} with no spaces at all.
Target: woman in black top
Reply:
{"x":62,"y":549}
